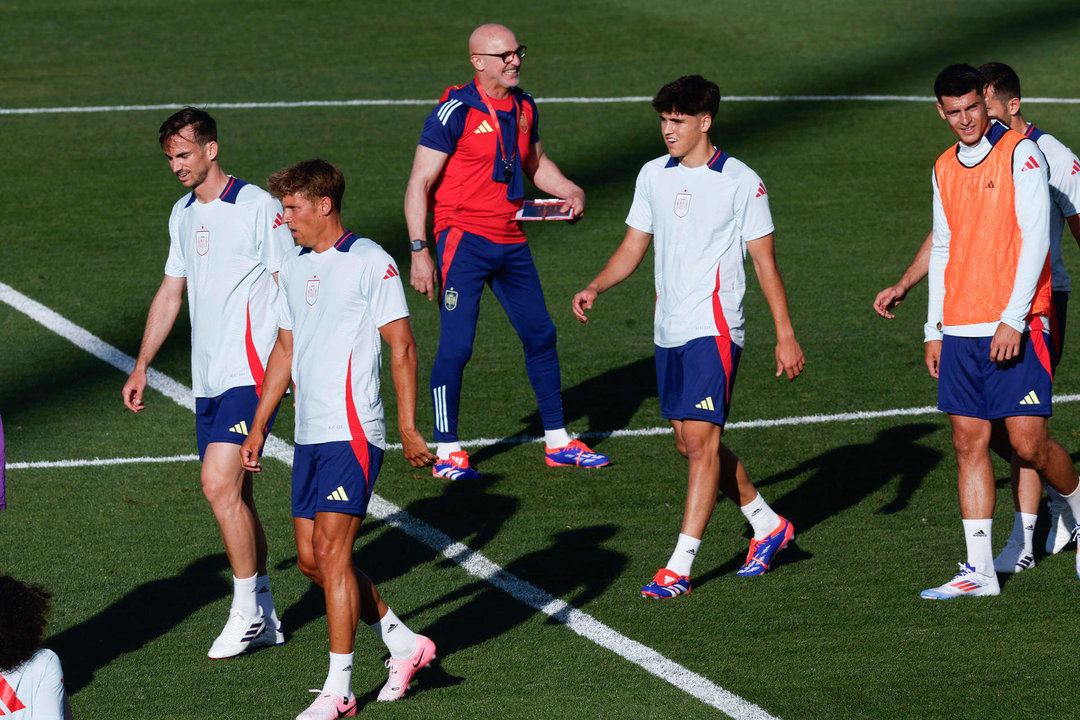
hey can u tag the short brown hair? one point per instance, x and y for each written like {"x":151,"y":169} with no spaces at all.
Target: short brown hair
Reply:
{"x":202,"y":126}
{"x":312,"y":179}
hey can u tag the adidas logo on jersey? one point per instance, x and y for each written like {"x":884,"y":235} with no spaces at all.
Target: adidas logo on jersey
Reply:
{"x":338,"y":495}
{"x":240,"y":427}
{"x":391,"y":271}
{"x":279,"y":220}
{"x":990,"y":185}
{"x":1076,"y":167}
{"x":1030,"y":164}
{"x":760,"y":190}
{"x":483,"y":128}
{"x":706,"y":404}
{"x":1030,"y":399}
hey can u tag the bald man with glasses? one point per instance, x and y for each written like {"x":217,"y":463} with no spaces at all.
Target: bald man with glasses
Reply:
{"x":477,"y":146}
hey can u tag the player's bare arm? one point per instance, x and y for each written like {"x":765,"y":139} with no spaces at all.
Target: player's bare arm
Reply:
{"x":932,"y":349}
{"x":427,"y":164}
{"x":398,"y":335}
{"x":164,"y":310}
{"x":892,"y":296}
{"x":275,"y":383}
{"x":621,"y":265}
{"x":547,"y":177}
{"x":789,"y":355}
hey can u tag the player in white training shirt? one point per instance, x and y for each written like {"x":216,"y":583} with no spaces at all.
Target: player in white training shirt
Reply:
{"x":341,"y":297}
{"x":227,"y":240}
{"x":704,"y":210}
{"x":1002,"y":96}
{"x":31,"y":679}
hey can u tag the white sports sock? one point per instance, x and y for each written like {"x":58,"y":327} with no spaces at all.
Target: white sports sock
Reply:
{"x":446,"y":448}
{"x":339,"y":677}
{"x":1023,"y":530}
{"x":396,"y":635}
{"x":1073,"y":501}
{"x":980,"y":552}
{"x":761,"y":517}
{"x":244,"y":596}
{"x":556,"y":438}
{"x":265,"y":599}
{"x":683,"y":558}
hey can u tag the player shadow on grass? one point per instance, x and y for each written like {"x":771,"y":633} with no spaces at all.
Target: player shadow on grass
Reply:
{"x":143,"y":615}
{"x":464,"y":511}
{"x":842,"y":478}
{"x":575,"y":568}
{"x":608,"y":400}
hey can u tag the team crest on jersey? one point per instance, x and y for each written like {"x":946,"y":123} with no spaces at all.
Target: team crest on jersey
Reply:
{"x":202,"y":241}
{"x":682,"y":204}
{"x":312,"y":293}
{"x":450,"y":299}
{"x":523,"y":122}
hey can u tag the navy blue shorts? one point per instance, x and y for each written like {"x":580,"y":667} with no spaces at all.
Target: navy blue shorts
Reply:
{"x":970,"y":384}
{"x":334,"y":477}
{"x":695,"y":380}
{"x":227,"y":417}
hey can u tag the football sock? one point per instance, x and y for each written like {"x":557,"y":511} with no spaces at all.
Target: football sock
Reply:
{"x":244,"y":596}
{"x":1023,"y":530}
{"x":446,"y":448}
{"x":556,"y":438}
{"x":980,"y":552}
{"x":339,"y":677}
{"x":396,"y":635}
{"x":683,"y":558}
{"x":761,"y":517}
{"x":265,"y":599}
{"x":1073,"y":501}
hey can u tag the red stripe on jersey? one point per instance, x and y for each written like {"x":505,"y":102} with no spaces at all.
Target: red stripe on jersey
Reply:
{"x":359,"y":440}
{"x":723,"y":346}
{"x":227,"y":186}
{"x":254,"y":363}
{"x":9,"y":698}
{"x":450,"y":245}
{"x":1038,"y":342}
{"x":723,"y":335}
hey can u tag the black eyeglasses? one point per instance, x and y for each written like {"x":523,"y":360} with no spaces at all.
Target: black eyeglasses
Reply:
{"x":505,"y":57}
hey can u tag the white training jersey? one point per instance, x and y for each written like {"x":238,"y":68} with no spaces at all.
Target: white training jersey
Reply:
{"x":227,"y":250}
{"x":334,"y":303}
{"x":1064,"y":197}
{"x":701,"y":219}
{"x":34,"y":690}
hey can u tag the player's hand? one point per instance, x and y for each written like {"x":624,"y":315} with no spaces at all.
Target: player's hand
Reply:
{"x":933,"y":357}
{"x":249,"y":452}
{"x":583,"y":301}
{"x":415,"y":448}
{"x":575,"y":200}
{"x":789,"y":359}
{"x":1005,"y":344}
{"x":133,"y":390}
{"x":887,"y":299}
{"x":422,"y":274}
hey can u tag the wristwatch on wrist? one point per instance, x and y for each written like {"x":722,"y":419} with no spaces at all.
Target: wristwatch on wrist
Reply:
{"x":417,"y":245}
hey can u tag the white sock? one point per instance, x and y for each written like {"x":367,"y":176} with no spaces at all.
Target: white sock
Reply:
{"x":339,"y":677}
{"x":683,"y":558}
{"x":1073,"y":501}
{"x":244,"y":596}
{"x":1023,"y":530}
{"x":556,"y":438}
{"x":446,"y":448}
{"x":265,"y":599}
{"x":396,"y":635}
{"x":761,"y":517}
{"x":980,"y":552}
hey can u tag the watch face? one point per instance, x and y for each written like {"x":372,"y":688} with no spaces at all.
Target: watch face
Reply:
{"x":418,"y":245}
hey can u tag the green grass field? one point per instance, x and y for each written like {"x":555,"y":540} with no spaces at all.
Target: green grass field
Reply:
{"x":835,"y":630}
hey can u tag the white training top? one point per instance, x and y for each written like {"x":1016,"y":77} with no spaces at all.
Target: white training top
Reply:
{"x":701,"y":219}
{"x":334,"y":304}
{"x":1032,"y":204}
{"x":1064,"y":197}
{"x":34,"y":690}
{"x":227,"y":250}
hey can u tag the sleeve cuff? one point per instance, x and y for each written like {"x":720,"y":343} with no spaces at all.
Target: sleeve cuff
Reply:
{"x":930,"y":332}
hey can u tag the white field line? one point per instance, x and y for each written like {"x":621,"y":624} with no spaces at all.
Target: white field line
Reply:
{"x":473,"y":562}
{"x":431,"y":101}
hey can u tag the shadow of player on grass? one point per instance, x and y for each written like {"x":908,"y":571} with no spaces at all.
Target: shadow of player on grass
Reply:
{"x":143,"y":615}
{"x":844,"y":477}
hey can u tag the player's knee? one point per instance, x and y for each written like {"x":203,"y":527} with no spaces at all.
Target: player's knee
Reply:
{"x":540,"y":339}
{"x":681,"y":447}
{"x":330,"y":557}
{"x":453,"y":353}
{"x":1031,"y":451}
{"x":221,"y":493}
{"x":308,"y":567}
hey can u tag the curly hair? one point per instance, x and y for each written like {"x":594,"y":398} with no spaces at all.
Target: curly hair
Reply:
{"x":22,"y":623}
